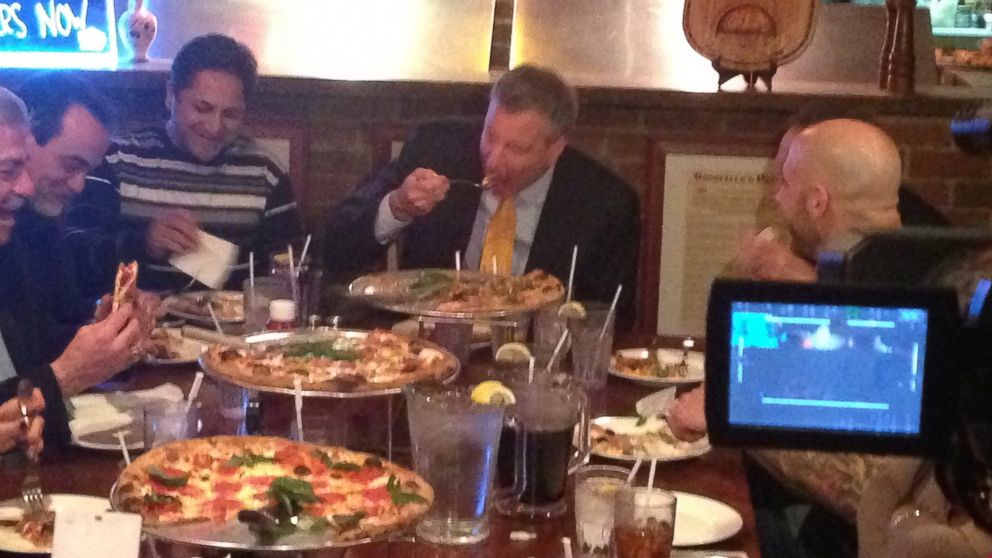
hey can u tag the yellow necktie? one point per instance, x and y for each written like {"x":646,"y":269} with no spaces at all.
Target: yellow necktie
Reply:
{"x":498,"y":243}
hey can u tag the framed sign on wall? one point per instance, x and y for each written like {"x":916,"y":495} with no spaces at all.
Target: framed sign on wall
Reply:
{"x":700,"y":198}
{"x":58,"y":34}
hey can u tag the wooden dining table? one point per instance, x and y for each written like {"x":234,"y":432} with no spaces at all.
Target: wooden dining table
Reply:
{"x":718,"y":474}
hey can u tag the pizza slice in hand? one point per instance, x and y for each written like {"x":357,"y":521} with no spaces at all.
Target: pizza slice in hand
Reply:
{"x":125,"y":284}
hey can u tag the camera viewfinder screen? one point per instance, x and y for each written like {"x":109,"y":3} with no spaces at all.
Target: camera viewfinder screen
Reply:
{"x":825,"y":367}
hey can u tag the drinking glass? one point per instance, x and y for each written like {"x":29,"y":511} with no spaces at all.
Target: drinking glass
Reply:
{"x":257,"y":300}
{"x":590,"y":352}
{"x":455,"y":442}
{"x":540,"y":429}
{"x":547,"y":329}
{"x":169,"y":422}
{"x":595,"y":492}
{"x":515,"y":331}
{"x":644,"y":522}
{"x":232,"y":406}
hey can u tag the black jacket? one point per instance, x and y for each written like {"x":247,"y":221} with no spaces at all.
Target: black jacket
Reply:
{"x":587,"y":205}
{"x":31,"y":338}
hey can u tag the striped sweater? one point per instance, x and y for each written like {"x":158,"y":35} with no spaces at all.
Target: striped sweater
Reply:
{"x":242,"y":196}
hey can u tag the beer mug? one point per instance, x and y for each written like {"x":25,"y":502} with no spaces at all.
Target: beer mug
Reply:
{"x":539,"y":447}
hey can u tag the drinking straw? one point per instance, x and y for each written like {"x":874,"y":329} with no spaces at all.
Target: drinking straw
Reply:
{"x":194,"y":391}
{"x":120,"y":438}
{"x":654,"y":465}
{"x":571,"y":273}
{"x":687,"y":344}
{"x":558,"y":347}
{"x":530,"y":370}
{"x":633,"y":471}
{"x":609,"y":315}
{"x":495,"y":267}
{"x":292,"y":275}
{"x":251,"y":272}
{"x":298,"y":388}
{"x":458,"y":260}
{"x":566,"y":544}
{"x":303,"y":254}
{"x":213,"y":316}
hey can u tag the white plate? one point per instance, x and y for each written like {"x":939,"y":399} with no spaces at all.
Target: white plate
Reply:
{"x":189,"y":350}
{"x":106,"y":440}
{"x":628,"y":425}
{"x":696,"y":361}
{"x":701,"y":520}
{"x":173,"y":305}
{"x":11,"y":541}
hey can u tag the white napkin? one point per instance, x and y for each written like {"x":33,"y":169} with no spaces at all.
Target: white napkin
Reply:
{"x":99,"y":412}
{"x":211,"y":263}
{"x":655,"y":404}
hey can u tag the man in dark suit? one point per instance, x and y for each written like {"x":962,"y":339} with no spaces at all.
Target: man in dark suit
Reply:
{"x":548,"y":196}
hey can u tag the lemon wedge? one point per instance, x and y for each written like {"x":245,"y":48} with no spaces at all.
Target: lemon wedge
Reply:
{"x":572,"y":311}
{"x":492,"y":392}
{"x":513,"y":353}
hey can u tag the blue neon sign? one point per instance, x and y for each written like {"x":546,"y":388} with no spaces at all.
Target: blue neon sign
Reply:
{"x":58,"y":34}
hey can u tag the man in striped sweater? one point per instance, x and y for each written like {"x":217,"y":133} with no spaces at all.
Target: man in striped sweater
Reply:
{"x":160,"y":187}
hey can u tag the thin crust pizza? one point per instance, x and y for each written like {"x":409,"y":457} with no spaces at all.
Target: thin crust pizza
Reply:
{"x":125,"y":283}
{"x":349,"y":494}
{"x":445,"y":290}
{"x":339,"y":363}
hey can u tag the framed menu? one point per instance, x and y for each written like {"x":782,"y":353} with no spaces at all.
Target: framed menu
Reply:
{"x":700,"y":198}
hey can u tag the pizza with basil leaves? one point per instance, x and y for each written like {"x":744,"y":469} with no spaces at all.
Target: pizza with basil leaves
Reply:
{"x":277,"y":486}
{"x":347,"y":362}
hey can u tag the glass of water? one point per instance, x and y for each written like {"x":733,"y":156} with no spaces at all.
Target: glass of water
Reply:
{"x":592,"y":344}
{"x":455,"y":442}
{"x":595,"y":491}
{"x":168,"y":422}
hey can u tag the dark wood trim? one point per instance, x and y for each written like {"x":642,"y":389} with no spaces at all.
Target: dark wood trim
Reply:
{"x":298,"y":136}
{"x":902,"y":61}
{"x":649,"y":279}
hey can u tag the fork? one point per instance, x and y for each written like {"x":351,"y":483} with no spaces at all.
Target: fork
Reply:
{"x":486,"y":183}
{"x":31,"y":491}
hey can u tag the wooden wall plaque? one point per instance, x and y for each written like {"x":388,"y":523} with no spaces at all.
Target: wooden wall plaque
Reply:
{"x":749,"y":37}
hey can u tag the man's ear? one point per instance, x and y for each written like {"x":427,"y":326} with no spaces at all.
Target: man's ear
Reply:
{"x":817,"y":201}
{"x":170,"y":96}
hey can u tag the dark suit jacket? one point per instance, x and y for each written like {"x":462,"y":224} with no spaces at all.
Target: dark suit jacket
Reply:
{"x":29,"y":336}
{"x":587,"y":205}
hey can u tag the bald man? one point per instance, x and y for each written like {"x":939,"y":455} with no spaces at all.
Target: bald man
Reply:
{"x":837,"y":176}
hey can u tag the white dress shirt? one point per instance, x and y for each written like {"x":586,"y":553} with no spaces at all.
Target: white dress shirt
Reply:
{"x":529,"y":203}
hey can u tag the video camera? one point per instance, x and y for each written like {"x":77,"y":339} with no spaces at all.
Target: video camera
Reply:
{"x":867,"y":359}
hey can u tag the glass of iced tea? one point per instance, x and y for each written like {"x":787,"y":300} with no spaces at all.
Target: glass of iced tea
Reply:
{"x":644,"y":522}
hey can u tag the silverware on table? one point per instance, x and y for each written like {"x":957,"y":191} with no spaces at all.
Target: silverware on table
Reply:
{"x":31,"y":490}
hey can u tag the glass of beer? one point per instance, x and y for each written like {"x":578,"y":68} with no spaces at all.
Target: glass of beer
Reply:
{"x":455,"y":442}
{"x":541,"y":429}
{"x":644,"y":522}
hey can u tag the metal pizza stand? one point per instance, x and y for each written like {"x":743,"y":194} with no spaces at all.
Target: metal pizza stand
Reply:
{"x":336,"y":409}
{"x":395,"y":291}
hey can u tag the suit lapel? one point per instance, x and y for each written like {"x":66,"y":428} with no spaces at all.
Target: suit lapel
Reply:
{"x":550,"y":238}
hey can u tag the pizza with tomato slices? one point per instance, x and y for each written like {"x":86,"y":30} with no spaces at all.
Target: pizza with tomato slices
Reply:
{"x":347,"y":361}
{"x":289,"y":485}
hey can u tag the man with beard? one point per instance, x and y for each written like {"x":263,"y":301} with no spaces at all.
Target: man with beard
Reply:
{"x":838,"y":176}
{"x":161,"y":186}
{"x":96,"y":352}
{"x":539,"y":198}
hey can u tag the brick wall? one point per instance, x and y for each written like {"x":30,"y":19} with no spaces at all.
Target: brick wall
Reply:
{"x":345,"y":123}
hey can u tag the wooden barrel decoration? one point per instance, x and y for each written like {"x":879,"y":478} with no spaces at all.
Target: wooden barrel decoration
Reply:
{"x":749,"y":37}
